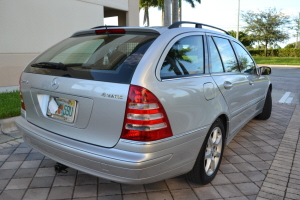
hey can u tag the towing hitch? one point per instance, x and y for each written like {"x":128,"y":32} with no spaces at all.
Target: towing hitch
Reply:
{"x":60,"y":168}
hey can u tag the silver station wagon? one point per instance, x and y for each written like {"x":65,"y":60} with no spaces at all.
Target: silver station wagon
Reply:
{"x":138,"y":105}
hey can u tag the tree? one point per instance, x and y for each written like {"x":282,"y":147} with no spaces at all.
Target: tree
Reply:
{"x":165,"y":6}
{"x":245,"y":39}
{"x":292,"y":45}
{"x":266,"y":26}
{"x":177,"y":8}
{"x":295,"y":27}
{"x":146,"y":4}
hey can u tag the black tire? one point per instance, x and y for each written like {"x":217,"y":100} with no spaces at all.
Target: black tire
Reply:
{"x":267,"y":110}
{"x":201,"y":172}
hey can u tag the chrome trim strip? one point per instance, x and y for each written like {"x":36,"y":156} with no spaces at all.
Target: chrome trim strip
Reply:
{"x":186,"y":77}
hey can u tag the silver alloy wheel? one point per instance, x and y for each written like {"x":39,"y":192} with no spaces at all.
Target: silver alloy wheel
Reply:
{"x":213,"y":151}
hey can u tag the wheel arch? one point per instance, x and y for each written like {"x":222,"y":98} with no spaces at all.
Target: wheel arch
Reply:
{"x":225,"y":121}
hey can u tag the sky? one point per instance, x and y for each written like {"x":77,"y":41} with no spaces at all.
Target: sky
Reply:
{"x":224,"y":13}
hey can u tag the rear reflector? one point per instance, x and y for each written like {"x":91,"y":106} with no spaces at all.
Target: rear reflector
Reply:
{"x":145,"y":118}
{"x":110,"y":31}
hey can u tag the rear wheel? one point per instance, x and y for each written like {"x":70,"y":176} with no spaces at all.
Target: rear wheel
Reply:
{"x":210,"y":156}
{"x":267,"y":110}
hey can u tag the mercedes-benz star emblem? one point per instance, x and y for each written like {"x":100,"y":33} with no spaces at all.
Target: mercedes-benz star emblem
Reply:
{"x":55,"y":83}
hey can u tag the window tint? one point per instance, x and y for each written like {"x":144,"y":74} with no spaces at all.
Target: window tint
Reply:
{"x":184,"y":58}
{"x":216,"y":63}
{"x":227,"y":55}
{"x":247,"y":64}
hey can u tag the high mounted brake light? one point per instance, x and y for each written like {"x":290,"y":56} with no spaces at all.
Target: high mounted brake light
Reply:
{"x":110,"y":31}
{"x":145,"y":117}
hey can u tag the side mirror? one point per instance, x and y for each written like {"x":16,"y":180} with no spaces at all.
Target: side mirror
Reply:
{"x":264,"y":70}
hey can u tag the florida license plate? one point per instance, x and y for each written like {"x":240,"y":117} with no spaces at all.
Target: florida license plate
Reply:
{"x":65,"y":111}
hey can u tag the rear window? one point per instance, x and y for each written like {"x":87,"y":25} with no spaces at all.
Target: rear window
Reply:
{"x":110,"y":58}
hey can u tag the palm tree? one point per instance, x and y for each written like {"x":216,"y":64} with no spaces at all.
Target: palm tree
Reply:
{"x":165,"y":6}
{"x":167,"y":13}
{"x":178,"y":3}
{"x":146,"y":4}
{"x":175,"y":7}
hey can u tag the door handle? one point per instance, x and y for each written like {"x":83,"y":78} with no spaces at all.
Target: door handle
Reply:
{"x":251,"y":82}
{"x":228,"y":85}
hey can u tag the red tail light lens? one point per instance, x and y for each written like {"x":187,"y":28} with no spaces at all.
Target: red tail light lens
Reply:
{"x":22,"y":102}
{"x":110,"y":31}
{"x":145,"y":117}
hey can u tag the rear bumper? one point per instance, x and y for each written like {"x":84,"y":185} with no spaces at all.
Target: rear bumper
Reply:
{"x":127,"y":162}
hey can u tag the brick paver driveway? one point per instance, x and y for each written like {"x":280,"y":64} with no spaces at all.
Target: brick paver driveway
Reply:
{"x":261,"y":162}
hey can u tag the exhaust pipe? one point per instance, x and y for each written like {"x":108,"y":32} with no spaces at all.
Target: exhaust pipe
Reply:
{"x":60,"y":168}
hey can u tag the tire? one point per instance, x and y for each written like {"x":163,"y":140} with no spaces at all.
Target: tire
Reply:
{"x":267,"y":110}
{"x":203,"y":171}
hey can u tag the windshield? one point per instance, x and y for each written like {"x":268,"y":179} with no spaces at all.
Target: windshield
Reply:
{"x":111,"y":58}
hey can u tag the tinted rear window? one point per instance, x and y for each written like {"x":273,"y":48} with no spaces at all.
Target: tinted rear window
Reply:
{"x":110,"y":58}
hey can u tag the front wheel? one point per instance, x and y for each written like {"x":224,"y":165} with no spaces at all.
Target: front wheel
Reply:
{"x":210,"y":155}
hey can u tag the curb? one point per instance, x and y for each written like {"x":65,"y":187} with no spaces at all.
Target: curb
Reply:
{"x":284,"y":165}
{"x":287,"y":66}
{"x":9,"y":130}
{"x":8,"y":126}
{"x":9,"y":134}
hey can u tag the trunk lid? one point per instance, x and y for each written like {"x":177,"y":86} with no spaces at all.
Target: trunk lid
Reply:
{"x":98,"y":113}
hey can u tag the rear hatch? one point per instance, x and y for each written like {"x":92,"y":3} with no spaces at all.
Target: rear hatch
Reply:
{"x":79,"y":87}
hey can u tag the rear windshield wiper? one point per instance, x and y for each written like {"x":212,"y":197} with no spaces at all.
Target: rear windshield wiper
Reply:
{"x":50,"y":65}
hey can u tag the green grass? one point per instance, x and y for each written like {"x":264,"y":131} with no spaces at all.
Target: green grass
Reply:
{"x":10,"y":104}
{"x":277,"y":60}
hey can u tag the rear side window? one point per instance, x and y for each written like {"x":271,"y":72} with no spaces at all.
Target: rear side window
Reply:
{"x":247,"y":64}
{"x":185,"y":58}
{"x":110,"y":58}
{"x":227,"y":54}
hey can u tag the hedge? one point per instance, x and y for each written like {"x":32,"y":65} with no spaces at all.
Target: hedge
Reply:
{"x":276,"y":52}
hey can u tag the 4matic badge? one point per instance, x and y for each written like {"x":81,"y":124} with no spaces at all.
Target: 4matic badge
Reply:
{"x":113,"y":96}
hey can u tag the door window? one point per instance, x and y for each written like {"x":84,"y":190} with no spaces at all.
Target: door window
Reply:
{"x":247,"y":64}
{"x":185,"y":58}
{"x":216,"y":63}
{"x":227,"y":54}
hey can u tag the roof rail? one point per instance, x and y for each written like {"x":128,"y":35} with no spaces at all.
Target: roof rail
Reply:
{"x":105,"y":26}
{"x":197,"y":25}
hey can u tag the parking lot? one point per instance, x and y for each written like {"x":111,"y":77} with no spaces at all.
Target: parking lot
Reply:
{"x":261,"y":162}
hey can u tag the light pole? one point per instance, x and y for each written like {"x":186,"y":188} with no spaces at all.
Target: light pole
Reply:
{"x":238,"y":22}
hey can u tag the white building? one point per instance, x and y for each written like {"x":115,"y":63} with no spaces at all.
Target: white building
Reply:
{"x":28,"y":27}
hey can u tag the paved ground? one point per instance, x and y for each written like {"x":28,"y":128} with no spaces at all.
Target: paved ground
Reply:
{"x":286,"y":85}
{"x":261,"y":162}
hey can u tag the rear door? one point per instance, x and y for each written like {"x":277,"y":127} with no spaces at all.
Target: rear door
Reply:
{"x":79,"y":87}
{"x":233,"y":84}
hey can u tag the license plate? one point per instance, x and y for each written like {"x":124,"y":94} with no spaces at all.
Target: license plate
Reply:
{"x":65,"y":109}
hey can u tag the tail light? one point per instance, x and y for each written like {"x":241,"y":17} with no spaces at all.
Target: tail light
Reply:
{"x":22,"y":101}
{"x":145,"y":117}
